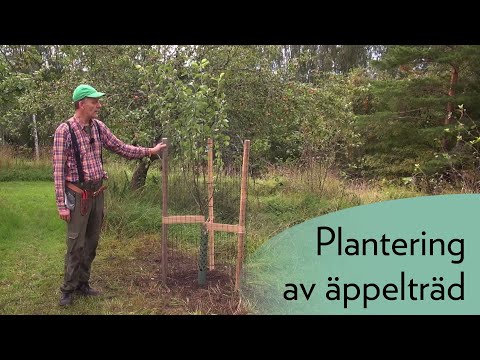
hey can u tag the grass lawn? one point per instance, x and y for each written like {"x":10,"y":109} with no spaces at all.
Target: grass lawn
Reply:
{"x":32,"y":246}
{"x":32,"y":241}
{"x":127,"y":268}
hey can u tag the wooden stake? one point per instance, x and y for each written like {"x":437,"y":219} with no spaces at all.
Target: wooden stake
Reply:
{"x":243,"y":209}
{"x":164,"y":210}
{"x":211,"y":231}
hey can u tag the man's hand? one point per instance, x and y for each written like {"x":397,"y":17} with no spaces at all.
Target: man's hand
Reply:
{"x":64,"y":215}
{"x":158,"y":148}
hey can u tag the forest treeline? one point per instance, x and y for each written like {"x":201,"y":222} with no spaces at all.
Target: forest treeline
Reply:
{"x":403,"y":113}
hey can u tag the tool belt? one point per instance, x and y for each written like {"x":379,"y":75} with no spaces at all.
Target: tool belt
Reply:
{"x":86,"y":194}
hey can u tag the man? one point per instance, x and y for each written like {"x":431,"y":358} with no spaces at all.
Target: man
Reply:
{"x":78,"y":175}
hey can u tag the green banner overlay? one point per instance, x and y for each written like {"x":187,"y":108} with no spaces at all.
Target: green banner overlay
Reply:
{"x":410,"y":256}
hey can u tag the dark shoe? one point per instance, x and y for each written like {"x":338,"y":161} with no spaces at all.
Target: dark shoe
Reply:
{"x":86,"y":290}
{"x":66,"y":299}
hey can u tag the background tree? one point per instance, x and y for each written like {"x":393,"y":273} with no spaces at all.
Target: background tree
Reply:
{"x":414,"y":96}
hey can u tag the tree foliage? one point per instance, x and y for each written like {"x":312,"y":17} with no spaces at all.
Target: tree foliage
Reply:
{"x":413,"y":111}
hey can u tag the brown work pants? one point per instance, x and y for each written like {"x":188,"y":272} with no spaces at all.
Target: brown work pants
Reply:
{"x":83,"y":233}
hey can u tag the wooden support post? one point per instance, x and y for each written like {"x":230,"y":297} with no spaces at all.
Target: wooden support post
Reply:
{"x":243,"y":209}
{"x":164,"y":210}
{"x":211,"y":231}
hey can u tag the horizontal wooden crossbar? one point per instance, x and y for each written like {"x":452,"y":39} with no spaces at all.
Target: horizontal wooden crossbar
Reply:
{"x":225,"y":227}
{"x":183,"y":219}
{"x":198,"y":219}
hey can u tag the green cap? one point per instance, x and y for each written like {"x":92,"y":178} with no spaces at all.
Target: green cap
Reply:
{"x":83,"y":91}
